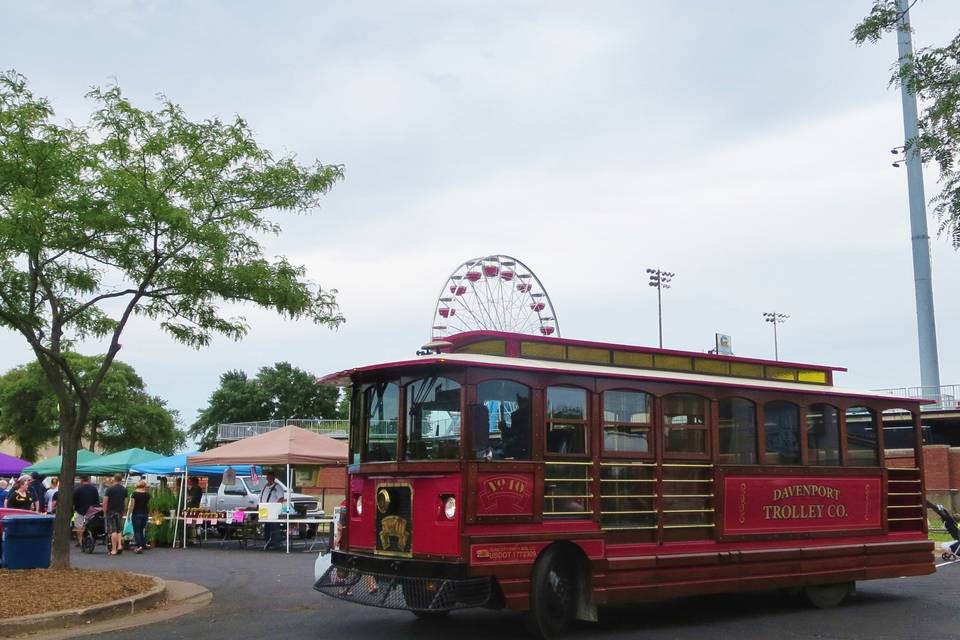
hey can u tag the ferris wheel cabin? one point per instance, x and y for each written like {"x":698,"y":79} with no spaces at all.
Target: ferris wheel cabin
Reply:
{"x":554,"y":475}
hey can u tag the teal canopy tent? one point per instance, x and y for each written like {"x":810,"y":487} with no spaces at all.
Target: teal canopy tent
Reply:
{"x":119,"y":462}
{"x":51,"y":466}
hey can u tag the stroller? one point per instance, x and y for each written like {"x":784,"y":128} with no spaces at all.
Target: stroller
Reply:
{"x":949,"y":553}
{"x":94,"y":531}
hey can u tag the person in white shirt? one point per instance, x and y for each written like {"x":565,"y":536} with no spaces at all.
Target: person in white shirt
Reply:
{"x":272,"y":492}
{"x":50,"y":496}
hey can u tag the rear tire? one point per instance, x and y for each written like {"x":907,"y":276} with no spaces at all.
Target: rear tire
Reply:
{"x":553,"y":594}
{"x":827,"y":596}
{"x":88,"y":543}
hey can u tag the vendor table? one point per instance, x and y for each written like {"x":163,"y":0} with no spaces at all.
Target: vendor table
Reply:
{"x":289,"y":521}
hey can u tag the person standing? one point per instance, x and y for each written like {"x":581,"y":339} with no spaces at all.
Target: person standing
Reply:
{"x":114,"y":507}
{"x":19,"y":497}
{"x":194,"y":493}
{"x":272,"y":492}
{"x":3,"y":492}
{"x":85,"y":495}
{"x":37,"y":492}
{"x":50,"y":496}
{"x":141,"y":512}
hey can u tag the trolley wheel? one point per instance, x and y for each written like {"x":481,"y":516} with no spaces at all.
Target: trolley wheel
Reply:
{"x":553,"y":594}
{"x":827,"y":596}
{"x":945,"y":555}
{"x":88,"y":542}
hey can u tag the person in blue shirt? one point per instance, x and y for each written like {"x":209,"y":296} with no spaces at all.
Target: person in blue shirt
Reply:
{"x":3,"y":493}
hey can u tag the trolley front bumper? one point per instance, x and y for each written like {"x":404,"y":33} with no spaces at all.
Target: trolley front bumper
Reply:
{"x":403,"y":585}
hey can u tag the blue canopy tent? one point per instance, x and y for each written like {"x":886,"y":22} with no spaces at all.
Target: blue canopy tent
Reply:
{"x":176,"y":465}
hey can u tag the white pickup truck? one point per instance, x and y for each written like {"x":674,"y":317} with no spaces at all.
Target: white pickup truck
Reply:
{"x":244,"y":493}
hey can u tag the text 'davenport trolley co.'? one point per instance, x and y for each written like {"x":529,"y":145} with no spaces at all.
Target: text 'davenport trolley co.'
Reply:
{"x":555,"y":475}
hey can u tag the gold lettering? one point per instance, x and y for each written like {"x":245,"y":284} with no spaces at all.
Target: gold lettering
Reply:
{"x":805,"y":490}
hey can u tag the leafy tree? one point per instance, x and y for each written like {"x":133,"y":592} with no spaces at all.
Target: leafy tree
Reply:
{"x":123,"y":415}
{"x":28,"y":410}
{"x":343,"y":404}
{"x":294,"y":393}
{"x":138,"y":213}
{"x":933,"y":74}
{"x":237,"y":399}
{"x":279,"y":392}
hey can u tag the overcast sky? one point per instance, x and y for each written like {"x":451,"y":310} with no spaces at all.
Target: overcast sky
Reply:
{"x":744,"y":146}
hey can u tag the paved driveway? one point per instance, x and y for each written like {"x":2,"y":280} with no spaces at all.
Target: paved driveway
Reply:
{"x":264,"y":595}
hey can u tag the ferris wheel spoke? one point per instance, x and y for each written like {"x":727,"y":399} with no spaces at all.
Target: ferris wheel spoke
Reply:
{"x":488,"y":324}
{"x":468,"y":308}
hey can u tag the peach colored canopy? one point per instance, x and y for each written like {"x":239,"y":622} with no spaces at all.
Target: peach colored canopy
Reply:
{"x":287,"y":445}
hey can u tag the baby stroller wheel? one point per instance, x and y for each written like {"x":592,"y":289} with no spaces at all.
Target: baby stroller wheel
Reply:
{"x":88,"y":542}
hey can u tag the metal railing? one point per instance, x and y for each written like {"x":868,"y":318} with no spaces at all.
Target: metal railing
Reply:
{"x":945,"y":397}
{"x":239,"y":430}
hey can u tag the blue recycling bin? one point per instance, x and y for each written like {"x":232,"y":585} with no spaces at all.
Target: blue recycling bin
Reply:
{"x":27,"y":541}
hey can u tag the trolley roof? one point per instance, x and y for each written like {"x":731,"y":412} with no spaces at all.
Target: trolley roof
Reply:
{"x":578,"y":357}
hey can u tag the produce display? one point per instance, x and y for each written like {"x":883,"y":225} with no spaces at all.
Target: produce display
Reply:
{"x":204,"y":514}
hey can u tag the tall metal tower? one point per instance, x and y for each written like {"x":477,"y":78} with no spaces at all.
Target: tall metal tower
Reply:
{"x":923,"y":285}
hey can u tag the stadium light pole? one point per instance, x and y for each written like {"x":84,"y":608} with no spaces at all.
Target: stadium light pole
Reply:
{"x":922,"y":278}
{"x":661,"y":280}
{"x":775,"y":318}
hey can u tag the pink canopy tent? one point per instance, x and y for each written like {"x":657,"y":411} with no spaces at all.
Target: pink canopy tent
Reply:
{"x":285,"y":446}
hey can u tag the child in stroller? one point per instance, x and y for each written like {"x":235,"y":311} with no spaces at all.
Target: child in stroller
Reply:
{"x":94,"y":530}
{"x":950,"y":553}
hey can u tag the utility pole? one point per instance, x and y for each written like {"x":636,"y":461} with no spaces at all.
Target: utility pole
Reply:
{"x":661,"y":280}
{"x":775,"y":318}
{"x":923,"y":285}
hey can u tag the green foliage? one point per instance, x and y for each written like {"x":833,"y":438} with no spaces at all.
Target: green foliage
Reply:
{"x":882,"y":18}
{"x":161,"y":502}
{"x":139,"y":212}
{"x":123,"y":415}
{"x":28,"y":410}
{"x":276,"y":393}
{"x":933,"y":74}
{"x":343,"y":404}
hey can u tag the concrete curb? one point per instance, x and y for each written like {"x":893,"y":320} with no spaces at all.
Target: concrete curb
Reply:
{"x":83,"y":616}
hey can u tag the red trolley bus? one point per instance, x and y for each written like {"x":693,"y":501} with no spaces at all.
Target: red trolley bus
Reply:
{"x":555,"y":475}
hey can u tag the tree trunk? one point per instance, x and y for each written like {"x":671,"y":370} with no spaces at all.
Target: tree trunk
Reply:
{"x":70,"y":429}
{"x":93,"y":436}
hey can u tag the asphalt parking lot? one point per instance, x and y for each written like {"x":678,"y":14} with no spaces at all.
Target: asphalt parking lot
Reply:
{"x":268,"y":595}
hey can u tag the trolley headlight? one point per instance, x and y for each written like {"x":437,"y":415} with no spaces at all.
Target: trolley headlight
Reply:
{"x":359,"y":505}
{"x":450,"y":507}
{"x":383,"y":501}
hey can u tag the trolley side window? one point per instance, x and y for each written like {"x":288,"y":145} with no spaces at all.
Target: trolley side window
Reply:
{"x":738,"y":431}
{"x":782,"y":428}
{"x":566,"y":420}
{"x":823,"y":435}
{"x":862,"y":441}
{"x":627,"y":427}
{"x":500,"y":421}
{"x":433,"y":419}
{"x":382,"y":413}
{"x":684,"y":424}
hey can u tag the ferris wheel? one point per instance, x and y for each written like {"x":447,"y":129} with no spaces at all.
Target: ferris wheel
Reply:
{"x":495,"y":293}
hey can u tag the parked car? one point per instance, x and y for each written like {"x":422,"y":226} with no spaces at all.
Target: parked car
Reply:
{"x":245,"y":493}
